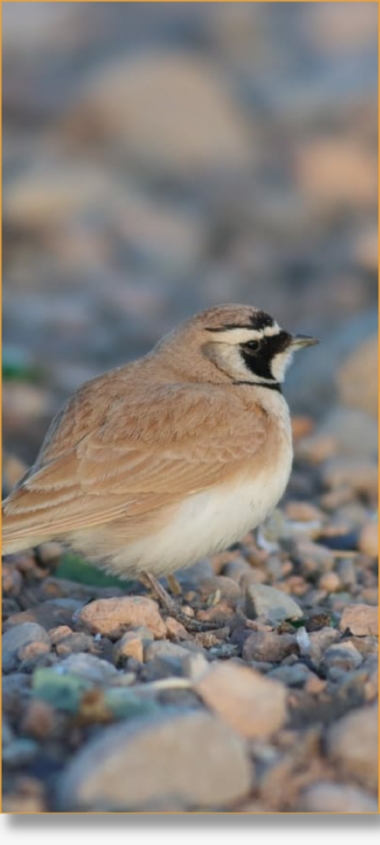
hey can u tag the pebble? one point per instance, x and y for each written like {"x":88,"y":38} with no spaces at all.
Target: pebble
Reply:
{"x":360,"y":620}
{"x":271,"y":604}
{"x":339,"y":659}
{"x":32,"y":651}
{"x":354,"y":432}
{"x":330,"y":797}
{"x":320,"y":641}
{"x":49,"y":614}
{"x":27,"y":798}
{"x":250,"y":704}
{"x":18,"y":637}
{"x":226,"y":587}
{"x":292,"y":676}
{"x":112,"y":616}
{"x":352,"y":745}
{"x":357,"y":473}
{"x":267,"y":646}
{"x":88,"y":667}
{"x":20,"y":752}
{"x":329,"y":582}
{"x":369,"y":539}
{"x":130,"y":645}
{"x":168,"y":654}
{"x":354,"y":390}
{"x":15,"y":692}
{"x":59,"y":633}
{"x":126,"y":100}
{"x":202,"y":765}
{"x":39,"y":719}
{"x":175,"y":630}
{"x":11,"y":580}
{"x":334,"y":171}
{"x":74,"y":643}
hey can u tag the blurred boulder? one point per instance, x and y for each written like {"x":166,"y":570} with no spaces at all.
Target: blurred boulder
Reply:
{"x":170,"y":112}
{"x":357,"y":377}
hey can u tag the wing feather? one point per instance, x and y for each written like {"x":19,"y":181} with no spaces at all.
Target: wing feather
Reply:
{"x":168,"y":444}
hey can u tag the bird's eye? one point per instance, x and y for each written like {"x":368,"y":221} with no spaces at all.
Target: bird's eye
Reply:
{"x":252,"y":345}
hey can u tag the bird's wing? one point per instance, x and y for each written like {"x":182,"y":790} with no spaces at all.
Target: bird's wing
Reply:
{"x":175,"y":441}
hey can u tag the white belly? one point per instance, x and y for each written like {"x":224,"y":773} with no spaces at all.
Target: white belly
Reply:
{"x":204,"y":524}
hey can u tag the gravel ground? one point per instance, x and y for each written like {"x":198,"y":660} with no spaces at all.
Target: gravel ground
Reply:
{"x":118,"y":222}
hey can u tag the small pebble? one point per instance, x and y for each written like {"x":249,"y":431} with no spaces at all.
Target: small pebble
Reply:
{"x":271,"y":604}
{"x":329,"y":582}
{"x":369,"y":539}
{"x":113,"y":616}
{"x":268,"y":646}
{"x":360,"y":620}
{"x":130,"y":645}
{"x":19,"y":636}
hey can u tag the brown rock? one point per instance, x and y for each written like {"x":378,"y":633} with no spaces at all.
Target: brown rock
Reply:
{"x":32,"y":651}
{"x":329,"y":582}
{"x":369,"y":539}
{"x":268,"y":646}
{"x":357,"y":377}
{"x":252,"y":705}
{"x":189,"y":761}
{"x":360,"y":620}
{"x":59,"y":633}
{"x":113,"y":616}
{"x":130,"y":645}
{"x":175,"y":630}
{"x":328,"y":797}
{"x":39,"y":719}
{"x":11,"y":580}
{"x":352,"y":745}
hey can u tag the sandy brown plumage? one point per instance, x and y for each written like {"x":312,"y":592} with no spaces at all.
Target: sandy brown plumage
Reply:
{"x":133,"y":446}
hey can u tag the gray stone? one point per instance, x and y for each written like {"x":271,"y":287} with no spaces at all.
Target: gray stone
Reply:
{"x":339,"y":659}
{"x":268,"y":647}
{"x":354,"y":431}
{"x":89,"y":667}
{"x":20,"y":752}
{"x":189,"y":761}
{"x":273,"y":605}
{"x":292,"y":676}
{"x":18,"y":636}
{"x":328,"y":797}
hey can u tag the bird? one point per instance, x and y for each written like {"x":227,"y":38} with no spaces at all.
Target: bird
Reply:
{"x":169,"y":459}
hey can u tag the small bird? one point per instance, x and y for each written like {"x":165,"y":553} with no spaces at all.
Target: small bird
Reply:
{"x":172,"y":458}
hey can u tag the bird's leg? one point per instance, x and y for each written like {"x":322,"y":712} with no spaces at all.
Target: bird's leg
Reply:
{"x":173,"y":609}
{"x":175,"y":587}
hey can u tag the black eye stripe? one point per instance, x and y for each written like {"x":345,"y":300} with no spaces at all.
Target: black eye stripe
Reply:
{"x":258,"y":361}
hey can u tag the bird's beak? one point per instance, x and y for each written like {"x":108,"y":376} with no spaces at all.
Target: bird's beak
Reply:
{"x":298,"y":341}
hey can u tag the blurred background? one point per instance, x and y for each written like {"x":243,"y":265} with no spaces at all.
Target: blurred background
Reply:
{"x":159,"y":158}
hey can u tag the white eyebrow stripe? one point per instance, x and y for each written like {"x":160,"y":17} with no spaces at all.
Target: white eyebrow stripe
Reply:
{"x":235,"y":336}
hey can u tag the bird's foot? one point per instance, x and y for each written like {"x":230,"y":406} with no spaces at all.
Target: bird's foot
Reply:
{"x":173,"y":609}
